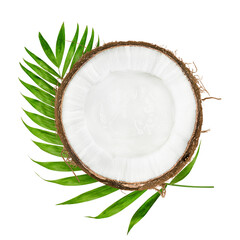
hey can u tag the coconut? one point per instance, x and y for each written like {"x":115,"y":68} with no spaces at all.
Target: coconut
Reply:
{"x":129,"y":114}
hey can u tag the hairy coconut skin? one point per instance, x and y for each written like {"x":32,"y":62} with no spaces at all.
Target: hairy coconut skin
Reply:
{"x":192,"y":144}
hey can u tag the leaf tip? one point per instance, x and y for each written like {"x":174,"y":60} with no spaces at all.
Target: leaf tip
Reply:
{"x":25,"y":61}
{"x":40,"y":176}
{"x":23,"y":95}
{"x":62,"y":203}
{"x":90,"y":217}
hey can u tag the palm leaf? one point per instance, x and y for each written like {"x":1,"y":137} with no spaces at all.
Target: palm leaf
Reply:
{"x":40,"y":94}
{"x":188,"y":186}
{"x":46,"y":48}
{"x":80,"y":47}
{"x":42,"y":73}
{"x":41,"y":107}
{"x":40,"y":82}
{"x":186,"y":170}
{"x":91,"y":195}
{"x":90,"y":43}
{"x":60,"y":45}
{"x":73,"y":181}
{"x":57,"y":166}
{"x":70,"y":52}
{"x":42,"y":121}
{"x":98,"y":42}
{"x":44,"y":135}
{"x":119,"y":205}
{"x":143,"y":210}
{"x":42,"y":64}
{"x":51,"y":149}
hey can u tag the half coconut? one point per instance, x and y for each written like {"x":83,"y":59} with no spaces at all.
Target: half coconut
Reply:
{"x":129,"y":114}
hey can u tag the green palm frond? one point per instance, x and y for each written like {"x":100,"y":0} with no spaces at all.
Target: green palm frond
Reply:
{"x":41,"y":107}
{"x":73,"y":181}
{"x":39,"y":81}
{"x":43,"y":64}
{"x":186,"y":170}
{"x":46,"y":136}
{"x":80,"y":48}
{"x":40,"y":94}
{"x":42,"y":73}
{"x":51,"y":149}
{"x":143,"y":210}
{"x":57,"y":166}
{"x":71,"y":51}
{"x":60,"y":45}
{"x":121,"y":204}
{"x":42,"y":121}
{"x":48,"y":51}
{"x":98,"y":42}
{"x":91,"y":195}
{"x":48,"y":78}
{"x":90,"y":44}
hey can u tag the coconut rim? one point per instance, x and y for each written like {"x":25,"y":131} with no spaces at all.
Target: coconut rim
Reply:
{"x":192,"y":143}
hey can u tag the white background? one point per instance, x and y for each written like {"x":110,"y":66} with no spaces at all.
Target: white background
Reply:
{"x":206,"y":32}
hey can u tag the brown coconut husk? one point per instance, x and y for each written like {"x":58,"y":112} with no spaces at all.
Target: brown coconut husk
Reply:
{"x":192,"y":143}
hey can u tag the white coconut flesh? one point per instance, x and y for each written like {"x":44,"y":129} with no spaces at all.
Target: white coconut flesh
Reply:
{"x":128,"y":113}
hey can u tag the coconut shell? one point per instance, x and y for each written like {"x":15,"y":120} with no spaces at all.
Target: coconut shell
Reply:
{"x":192,"y":143}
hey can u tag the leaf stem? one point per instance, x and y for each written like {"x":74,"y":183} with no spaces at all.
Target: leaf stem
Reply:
{"x":177,"y":185}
